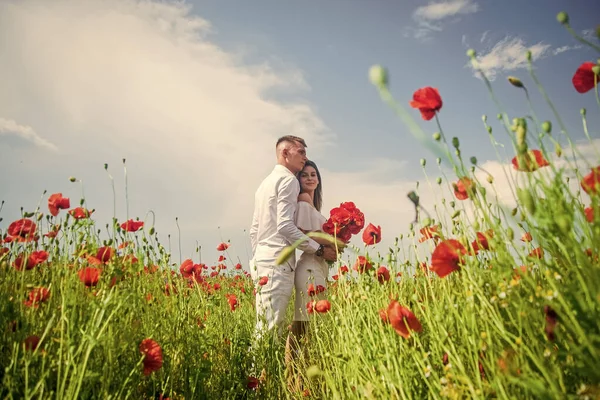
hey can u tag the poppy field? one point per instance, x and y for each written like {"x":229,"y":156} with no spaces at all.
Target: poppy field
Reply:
{"x":474,"y":300}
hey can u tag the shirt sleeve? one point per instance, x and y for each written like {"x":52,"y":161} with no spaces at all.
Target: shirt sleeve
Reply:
{"x":254,"y":232}
{"x":303,"y":216}
{"x":287,"y":202}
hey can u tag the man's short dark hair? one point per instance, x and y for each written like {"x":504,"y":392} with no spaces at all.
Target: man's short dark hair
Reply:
{"x":291,"y":139}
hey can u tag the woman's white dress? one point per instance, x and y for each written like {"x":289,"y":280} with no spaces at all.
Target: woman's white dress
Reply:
{"x":310,"y":269}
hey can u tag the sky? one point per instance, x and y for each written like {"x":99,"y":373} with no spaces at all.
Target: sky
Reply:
{"x":193,"y":95}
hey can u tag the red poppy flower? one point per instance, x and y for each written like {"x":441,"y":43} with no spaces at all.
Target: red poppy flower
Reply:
{"x":80,"y":213}
{"x":343,"y":270}
{"x":481,"y":243}
{"x":104,"y":254}
{"x":537,"y":253}
{"x":372,"y":234}
{"x":335,"y":277}
{"x":526,"y":237}
{"x":310,"y":306}
{"x":383,"y":315}
{"x":187,"y":268}
{"x":89,"y":276}
{"x":383,"y":274}
{"x":238,"y":266}
{"x":362,"y":265}
{"x":345,"y":235}
{"x":22,"y":230}
{"x":263,"y":280}
{"x":252,"y":383}
{"x":447,"y":257}
{"x":57,"y":202}
{"x":153,"y":357}
{"x":591,"y":182}
{"x":583,"y":80}
{"x":530,"y":161}
{"x":463,"y":187}
{"x":428,"y":101}
{"x":322,"y":306}
{"x":340,"y":216}
{"x":233,"y":301}
{"x":132,"y":226}
{"x":35,"y":258}
{"x":429,"y":232}
{"x":31,"y":342}
{"x":222,"y":246}
{"x":402,"y":319}
{"x":589,"y":214}
{"x":221,"y":258}
{"x":36,"y":296}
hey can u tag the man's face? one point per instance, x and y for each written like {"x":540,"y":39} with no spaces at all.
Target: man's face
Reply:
{"x":296,"y":158}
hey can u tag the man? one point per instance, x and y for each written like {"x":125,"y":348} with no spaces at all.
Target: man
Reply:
{"x":273,"y":229}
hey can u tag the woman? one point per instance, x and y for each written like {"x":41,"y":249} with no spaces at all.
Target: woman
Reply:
{"x":311,"y":271}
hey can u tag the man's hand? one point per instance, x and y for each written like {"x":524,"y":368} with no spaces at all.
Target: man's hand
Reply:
{"x":329,"y":253}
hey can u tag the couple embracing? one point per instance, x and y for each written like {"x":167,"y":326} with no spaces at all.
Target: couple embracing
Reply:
{"x":287,"y":206}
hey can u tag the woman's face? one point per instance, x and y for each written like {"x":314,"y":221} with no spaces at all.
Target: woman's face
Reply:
{"x":308,"y":179}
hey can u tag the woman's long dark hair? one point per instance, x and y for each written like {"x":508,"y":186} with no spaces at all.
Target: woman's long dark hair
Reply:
{"x":318,"y":198}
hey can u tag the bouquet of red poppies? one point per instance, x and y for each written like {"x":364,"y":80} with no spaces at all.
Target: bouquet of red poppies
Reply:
{"x":344,"y":221}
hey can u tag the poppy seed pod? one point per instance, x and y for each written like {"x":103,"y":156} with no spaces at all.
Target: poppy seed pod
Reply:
{"x":437,"y":136}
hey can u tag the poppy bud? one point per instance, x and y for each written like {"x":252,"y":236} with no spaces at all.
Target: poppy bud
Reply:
{"x":516,"y":82}
{"x":510,"y":233}
{"x":378,"y":76}
{"x":596,"y":70}
{"x":528,"y":55}
{"x":455,"y":142}
{"x":490,"y":179}
{"x":547,"y":126}
{"x":40,"y":216}
{"x":484,"y":118}
{"x":152,"y":231}
{"x":28,"y":214}
{"x":557,"y":149}
{"x":423,"y":162}
{"x":474,"y":160}
{"x":105,"y":166}
{"x":452,"y":203}
{"x":583,"y":111}
{"x":482,"y":190}
{"x":72,"y":179}
{"x":439,"y":180}
{"x":562,"y":17}
{"x":489,"y":129}
{"x":455,"y":214}
{"x":437,"y":136}
{"x":471,"y":53}
{"x":598,"y":31}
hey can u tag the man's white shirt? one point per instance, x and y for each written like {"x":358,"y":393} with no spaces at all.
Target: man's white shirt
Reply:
{"x":273,"y":227}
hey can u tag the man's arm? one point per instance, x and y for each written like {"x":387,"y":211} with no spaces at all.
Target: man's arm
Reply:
{"x":287,"y":199}
{"x":254,"y":232}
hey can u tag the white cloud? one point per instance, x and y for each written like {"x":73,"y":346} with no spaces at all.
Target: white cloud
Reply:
{"x":142,"y":80}
{"x":431,"y":18}
{"x":10,"y":127}
{"x":438,"y":11}
{"x":507,"y":55}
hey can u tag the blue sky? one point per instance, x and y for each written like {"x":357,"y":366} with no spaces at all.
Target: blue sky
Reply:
{"x":335,"y":42}
{"x":195,"y":94}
